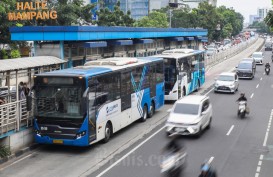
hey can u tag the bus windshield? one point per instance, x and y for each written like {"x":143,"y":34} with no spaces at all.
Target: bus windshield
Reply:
{"x":170,"y":74}
{"x":57,"y":102}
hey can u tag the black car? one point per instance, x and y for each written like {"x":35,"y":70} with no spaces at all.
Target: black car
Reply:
{"x":245,"y":70}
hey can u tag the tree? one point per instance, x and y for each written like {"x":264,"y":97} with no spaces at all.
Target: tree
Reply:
{"x":115,"y":17}
{"x":154,"y":19}
{"x":70,"y":12}
{"x":5,"y":7}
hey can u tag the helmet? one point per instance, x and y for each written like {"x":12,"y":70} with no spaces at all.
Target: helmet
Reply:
{"x":205,"y":168}
{"x":242,"y":94}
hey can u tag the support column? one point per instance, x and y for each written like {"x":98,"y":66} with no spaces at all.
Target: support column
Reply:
{"x":69,"y":58}
{"x":62,"y":51}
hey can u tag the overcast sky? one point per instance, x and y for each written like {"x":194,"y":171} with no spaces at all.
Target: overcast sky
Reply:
{"x":245,"y":7}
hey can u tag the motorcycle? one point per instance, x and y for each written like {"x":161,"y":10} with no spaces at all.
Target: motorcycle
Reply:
{"x":242,"y":110}
{"x":267,"y":70}
{"x":172,"y":163}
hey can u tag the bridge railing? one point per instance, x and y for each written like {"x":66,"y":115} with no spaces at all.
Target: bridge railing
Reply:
{"x":210,"y":61}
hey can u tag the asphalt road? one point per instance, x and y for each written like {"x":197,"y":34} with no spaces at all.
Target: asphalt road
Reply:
{"x":67,"y":161}
{"x":239,"y":147}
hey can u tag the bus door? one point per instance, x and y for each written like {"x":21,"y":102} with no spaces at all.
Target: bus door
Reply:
{"x":182,"y":76}
{"x":92,"y":111}
{"x":152,"y":78}
{"x":125,"y":95}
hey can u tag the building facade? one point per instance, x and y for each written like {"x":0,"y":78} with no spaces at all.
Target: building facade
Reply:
{"x":262,"y":12}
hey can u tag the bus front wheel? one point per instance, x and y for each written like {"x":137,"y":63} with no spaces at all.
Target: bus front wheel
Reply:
{"x":108,"y":132}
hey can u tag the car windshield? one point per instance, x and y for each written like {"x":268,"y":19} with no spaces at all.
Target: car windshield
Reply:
{"x":226,"y":78}
{"x":245,"y":66}
{"x":184,"y":108}
{"x":255,"y":55}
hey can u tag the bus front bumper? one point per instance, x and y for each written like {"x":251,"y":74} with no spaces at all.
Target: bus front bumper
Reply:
{"x":83,"y":141}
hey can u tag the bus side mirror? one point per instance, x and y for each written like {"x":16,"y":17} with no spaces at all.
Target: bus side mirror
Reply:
{"x":29,"y":102}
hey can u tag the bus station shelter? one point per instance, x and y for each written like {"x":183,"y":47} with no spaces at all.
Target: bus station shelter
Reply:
{"x":13,"y":113}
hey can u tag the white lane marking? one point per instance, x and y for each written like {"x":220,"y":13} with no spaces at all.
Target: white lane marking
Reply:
{"x":260,"y":163}
{"x":261,"y":157}
{"x":130,"y":152}
{"x":268,"y":128}
{"x":15,"y":162}
{"x":252,"y":95}
{"x":209,"y":91}
{"x":265,"y":139}
{"x":257,"y":86}
{"x":261,"y":78}
{"x":264,"y":73}
{"x":258,"y":169}
{"x":210,"y":160}
{"x":231,"y":128}
{"x":257,"y":175}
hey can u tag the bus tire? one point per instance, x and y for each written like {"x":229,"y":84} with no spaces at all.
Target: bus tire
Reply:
{"x":152,"y":110}
{"x":184,"y":91}
{"x":144,"y":114}
{"x":108,"y":132}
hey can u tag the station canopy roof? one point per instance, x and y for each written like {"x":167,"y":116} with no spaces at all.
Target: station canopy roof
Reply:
{"x":28,"y":63}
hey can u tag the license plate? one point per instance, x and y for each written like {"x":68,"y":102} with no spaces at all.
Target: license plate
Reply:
{"x":58,"y":141}
{"x":180,"y":129}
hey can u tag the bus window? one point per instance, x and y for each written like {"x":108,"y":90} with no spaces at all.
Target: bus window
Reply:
{"x":160,"y":72}
{"x":126,"y":90}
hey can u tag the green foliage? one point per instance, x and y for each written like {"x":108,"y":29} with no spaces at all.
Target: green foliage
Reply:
{"x":154,"y":19}
{"x":4,"y":54}
{"x":262,"y":27}
{"x":4,"y":151}
{"x":269,"y":19}
{"x":115,"y":17}
{"x":208,"y":17}
{"x":15,"y":54}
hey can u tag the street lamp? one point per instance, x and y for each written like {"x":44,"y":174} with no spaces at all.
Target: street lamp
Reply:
{"x":218,"y":30}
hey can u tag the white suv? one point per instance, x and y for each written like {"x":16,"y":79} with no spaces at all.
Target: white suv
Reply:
{"x":190,"y":115}
{"x":226,"y":82}
{"x":258,"y":57}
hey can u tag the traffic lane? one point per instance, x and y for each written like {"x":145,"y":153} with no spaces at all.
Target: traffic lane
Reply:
{"x":264,"y":115}
{"x":120,"y":170}
{"x":249,"y":144}
{"x":59,"y":160}
{"x":212,"y":143}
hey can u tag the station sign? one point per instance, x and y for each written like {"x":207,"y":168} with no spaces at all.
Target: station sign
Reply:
{"x":37,"y":10}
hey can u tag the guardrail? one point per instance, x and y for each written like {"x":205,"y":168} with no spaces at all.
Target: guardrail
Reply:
{"x":210,"y":61}
{"x":14,"y":116}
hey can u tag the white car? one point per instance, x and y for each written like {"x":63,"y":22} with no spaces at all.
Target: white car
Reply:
{"x":258,"y":57}
{"x":190,"y":116}
{"x":226,"y":82}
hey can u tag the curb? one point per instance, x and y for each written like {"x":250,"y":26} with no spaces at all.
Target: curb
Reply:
{"x":19,"y":153}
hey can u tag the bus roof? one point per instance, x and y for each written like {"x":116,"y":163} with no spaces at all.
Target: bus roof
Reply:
{"x":178,"y":53}
{"x":101,"y":66}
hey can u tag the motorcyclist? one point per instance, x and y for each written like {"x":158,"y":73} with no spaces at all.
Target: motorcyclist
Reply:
{"x":242,"y":97}
{"x":173,"y":146}
{"x":207,"y":171}
{"x":267,"y":65}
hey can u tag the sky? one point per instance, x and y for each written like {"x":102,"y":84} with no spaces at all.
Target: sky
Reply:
{"x":245,"y":7}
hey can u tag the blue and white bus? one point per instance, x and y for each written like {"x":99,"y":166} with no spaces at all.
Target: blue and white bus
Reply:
{"x":184,"y":72}
{"x":89,"y":103}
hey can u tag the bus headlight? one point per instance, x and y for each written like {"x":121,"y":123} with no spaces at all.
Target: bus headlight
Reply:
{"x":37,"y":132}
{"x":80,"y":134}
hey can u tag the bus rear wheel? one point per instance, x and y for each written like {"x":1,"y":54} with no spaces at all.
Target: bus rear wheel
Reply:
{"x":152,"y":110}
{"x":108,"y":133}
{"x":144,"y":114}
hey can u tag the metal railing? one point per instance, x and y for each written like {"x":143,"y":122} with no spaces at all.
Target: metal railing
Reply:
{"x":14,"y":116}
{"x":210,"y":61}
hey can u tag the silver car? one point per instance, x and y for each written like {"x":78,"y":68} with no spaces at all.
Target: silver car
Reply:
{"x":226,"y":82}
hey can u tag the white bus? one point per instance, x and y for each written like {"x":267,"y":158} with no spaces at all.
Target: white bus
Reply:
{"x":184,"y":72}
